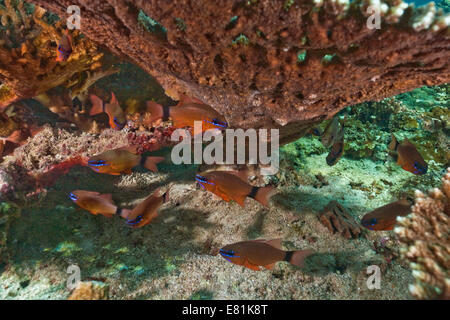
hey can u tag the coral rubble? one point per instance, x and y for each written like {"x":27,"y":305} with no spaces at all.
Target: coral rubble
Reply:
{"x":91,"y":290}
{"x":426,"y":243}
{"x":246,"y":60}
{"x":337,"y":219}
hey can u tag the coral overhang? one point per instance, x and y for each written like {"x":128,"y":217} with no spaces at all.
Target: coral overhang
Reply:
{"x":273,"y":64}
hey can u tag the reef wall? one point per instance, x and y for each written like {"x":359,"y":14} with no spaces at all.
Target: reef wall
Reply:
{"x":273,"y":64}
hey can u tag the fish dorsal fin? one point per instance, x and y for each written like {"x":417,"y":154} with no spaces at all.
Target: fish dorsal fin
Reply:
{"x":276,"y":243}
{"x":107,"y":197}
{"x":87,"y":193}
{"x":131,"y":149}
{"x":113,"y":99}
{"x":241,"y":174}
{"x":394,"y":143}
{"x":184,"y":99}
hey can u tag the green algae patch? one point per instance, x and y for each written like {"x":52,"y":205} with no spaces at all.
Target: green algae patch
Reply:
{"x":67,"y":248}
{"x":301,"y":56}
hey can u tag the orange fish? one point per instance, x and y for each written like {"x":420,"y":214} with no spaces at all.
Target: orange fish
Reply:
{"x":408,"y":157}
{"x":186,"y":112}
{"x":96,"y":203}
{"x":147,"y":210}
{"x":64,"y":47}
{"x":117,"y":119}
{"x":262,"y":253}
{"x":229,"y":186}
{"x":118,"y":161}
{"x":385,"y":217}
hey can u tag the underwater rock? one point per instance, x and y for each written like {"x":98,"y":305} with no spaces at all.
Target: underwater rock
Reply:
{"x":91,"y":290}
{"x":337,"y":219}
{"x":248,"y":68}
{"x":424,"y":236}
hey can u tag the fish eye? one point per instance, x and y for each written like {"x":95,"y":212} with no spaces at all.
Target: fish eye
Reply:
{"x":134,"y":221}
{"x":201,"y":178}
{"x":373,"y":221}
{"x":228,"y":253}
{"x":73,"y":197}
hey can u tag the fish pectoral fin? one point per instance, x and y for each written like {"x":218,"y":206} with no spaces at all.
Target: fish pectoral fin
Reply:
{"x":276,"y":243}
{"x":270,"y":266}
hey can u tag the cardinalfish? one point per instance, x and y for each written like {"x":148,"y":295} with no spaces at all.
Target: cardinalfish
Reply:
{"x":408,"y":157}
{"x":262,"y":253}
{"x":147,"y":210}
{"x":118,"y":161}
{"x":186,"y":112}
{"x":117,"y":119}
{"x":64,"y":49}
{"x":97,"y":203}
{"x":229,"y":185}
{"x":333,"y":133}
{"x":337,"y":149}
{"x":385,"y":217}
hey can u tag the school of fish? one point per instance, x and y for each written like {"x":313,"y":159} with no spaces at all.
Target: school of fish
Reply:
{"x":227,"y":185}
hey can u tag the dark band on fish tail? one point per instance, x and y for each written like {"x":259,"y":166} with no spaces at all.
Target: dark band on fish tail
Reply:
{"x":142,"y":162}
{"x":288,"y":256}
{"x":118,"y":211}
{"x":166,"y":113}
{"x":253,"y":192}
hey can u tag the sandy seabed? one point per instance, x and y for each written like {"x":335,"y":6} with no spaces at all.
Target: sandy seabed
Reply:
{"x":174,"y":257}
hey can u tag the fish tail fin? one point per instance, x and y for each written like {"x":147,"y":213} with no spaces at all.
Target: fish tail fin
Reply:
{"x":297,"y":258}
{"x":394,"y":143}
{"x":263,"y":195}
{"x":97,"y":105}
{"x":156,"y":111}
{"x":185,"y":99}
{"x":151,"y":162}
